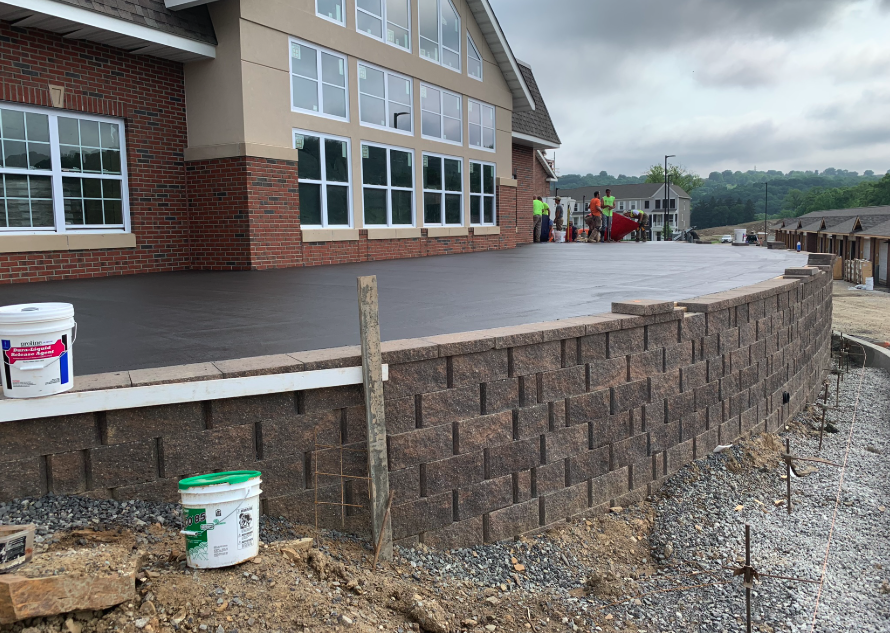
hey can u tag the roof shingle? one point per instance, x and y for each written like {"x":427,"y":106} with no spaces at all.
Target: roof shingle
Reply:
{"x":535,"y":123}
{"x":193,"y":23}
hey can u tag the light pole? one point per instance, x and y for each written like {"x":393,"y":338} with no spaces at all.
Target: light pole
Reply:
{"x":666,"y":182}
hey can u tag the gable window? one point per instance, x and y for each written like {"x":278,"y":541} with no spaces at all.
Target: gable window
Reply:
{"x":440,"y":115}
{"x":331,"y":10}
{"x":61,"y":173}
{"x":440,"y":32}
{"x":482,"y":207}
{"x":481,"y":124}
{"x":387,"y":185}
{"x":385,"y":99}
{"x":385,"y":20}
{"x":442,"y":190}
{"x":325,"y":192}
{"x":318,"y":81}
{"x":474,"y":59}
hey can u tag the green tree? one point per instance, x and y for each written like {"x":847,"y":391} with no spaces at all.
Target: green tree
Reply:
{"x":679,"y":176}
{"x":667,"y":233}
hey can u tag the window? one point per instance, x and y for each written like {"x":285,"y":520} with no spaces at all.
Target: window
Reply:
{"x":442,"y":190}
{"x":384,"y":99}
{"x":673,"y":203}
{"x":440,"y":32}
{"x":391,"y":18}
{"x":440,"y":115}
{"x":481,"y":117}
{"x":330,"y":10}
{"x":324,"y":172}
{"x":482,"y":207}
{"x":474,"y":59}
{"x":318,"y":81}
{"x":646,"y":203}
{"x":658,"y":204}
{"x":387,"y":185}
{"x":61,"y":172}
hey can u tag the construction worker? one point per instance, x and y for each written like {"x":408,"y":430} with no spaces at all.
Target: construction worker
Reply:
{"x":545,"y":223}
{"x":557,"y":219}
{"x":641,"y":218}
{"x":608,"y":210}
{"x":595,"y":219}
{"x":537,"y":213}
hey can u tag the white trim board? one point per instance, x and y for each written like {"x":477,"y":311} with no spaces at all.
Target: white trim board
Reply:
{"x":113,"y":25}
{"x":12,"y":409}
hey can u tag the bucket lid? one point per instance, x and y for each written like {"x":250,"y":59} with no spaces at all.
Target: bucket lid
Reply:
{"x":35,"y":312}
{"x":213,"y":479}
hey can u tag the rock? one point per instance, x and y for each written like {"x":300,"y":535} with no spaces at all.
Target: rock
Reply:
{"x":430,"y":616}
{"x":519,"y":567}
{"x":668,"y":550}
{"x":490,"y":627}
{"x":492,"y":601}
{"x":220,"y":629}
{"x":616,"y":509}
{"x":303,"y":543}
{"x":141,"y":622}
{"x":22,"y":597}
{"x":257,"y":560}
{"x":345,"y":619}
{"x":148,"y":608}
{"x":72,"y":626}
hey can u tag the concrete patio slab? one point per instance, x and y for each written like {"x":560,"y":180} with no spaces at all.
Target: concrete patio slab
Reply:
{"x":157,"y":320}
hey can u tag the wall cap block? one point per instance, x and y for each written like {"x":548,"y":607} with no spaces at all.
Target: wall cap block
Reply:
{"x":643,"y":307}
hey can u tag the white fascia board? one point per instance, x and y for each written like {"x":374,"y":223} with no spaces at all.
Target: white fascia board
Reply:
{"x":176,"y":5}
{"x":546,"y":165}
{"x":482,"y":9}
{"x":114,"y":25}
{"x":12,"y":409}
{"x":534,"y":141}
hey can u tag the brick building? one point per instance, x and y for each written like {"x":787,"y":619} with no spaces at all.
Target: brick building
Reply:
{"x":165,"y":135}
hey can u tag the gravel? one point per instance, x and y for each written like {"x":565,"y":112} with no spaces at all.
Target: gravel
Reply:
{"x":697,"y":515}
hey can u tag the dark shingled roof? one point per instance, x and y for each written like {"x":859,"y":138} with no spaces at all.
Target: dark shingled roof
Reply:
{"x":871,"y":221}
{"x":535,"y":123}
{"x":193,"y":23}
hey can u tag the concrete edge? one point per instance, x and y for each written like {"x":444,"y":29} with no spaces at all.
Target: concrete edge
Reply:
{"x":875,"y":356}
{"x":444,"y":345}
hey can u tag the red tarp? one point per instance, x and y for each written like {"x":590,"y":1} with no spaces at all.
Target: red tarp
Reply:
{"x":622,"y":226}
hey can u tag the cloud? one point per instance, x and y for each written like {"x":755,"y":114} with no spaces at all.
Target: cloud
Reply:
{"x":740,"y":64}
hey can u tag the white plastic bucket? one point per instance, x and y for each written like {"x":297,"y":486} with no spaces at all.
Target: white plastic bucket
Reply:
{"x":36,"y":342}
{"x":869,"y":283}
{"x":559,"y":236}
{"x":221,"y":518}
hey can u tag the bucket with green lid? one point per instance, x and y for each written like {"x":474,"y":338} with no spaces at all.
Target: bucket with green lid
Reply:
{"x":221,"y":518}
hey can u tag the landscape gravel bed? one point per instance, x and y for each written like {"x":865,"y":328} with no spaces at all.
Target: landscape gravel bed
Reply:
{"x":702,"y":511}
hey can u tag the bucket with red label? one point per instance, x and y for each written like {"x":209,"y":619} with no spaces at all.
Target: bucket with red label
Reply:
{"x":36,"y":340}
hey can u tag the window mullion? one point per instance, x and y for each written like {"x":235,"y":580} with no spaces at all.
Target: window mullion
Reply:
{"x":55,"y":153}
{"x":318,"y":55}
{"x":388,"y":189}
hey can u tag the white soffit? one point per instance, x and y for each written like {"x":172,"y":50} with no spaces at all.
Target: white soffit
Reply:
{"x":546,"y":165}
{"x":176,"y":5}
{"x":76,"y":23}
{"x":528,"y":140}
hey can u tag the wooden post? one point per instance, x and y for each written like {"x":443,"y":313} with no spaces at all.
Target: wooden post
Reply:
{"x":372,"y":373}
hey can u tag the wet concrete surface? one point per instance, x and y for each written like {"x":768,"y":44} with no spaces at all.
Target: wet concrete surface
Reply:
{"x":155,"y":320}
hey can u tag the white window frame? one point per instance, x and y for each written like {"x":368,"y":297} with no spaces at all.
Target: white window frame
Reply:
{"x":471,"y":103}
{"x":56,"y":174}
{"x":471,"y":46}
{"x":386,"y":76}
{"x":493,"y":195}
{"x":341,"y":22}
{"x":385,"y":20}
{"x":320,"y":81}
{"x":441,"y":115}
{"x":389,"y":187}
{"x":323,"y":182}
{"x":443,"y":192}
{"x":440,"y":44}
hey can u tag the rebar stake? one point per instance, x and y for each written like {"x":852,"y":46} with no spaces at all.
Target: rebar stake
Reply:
{"x":788,"y":471}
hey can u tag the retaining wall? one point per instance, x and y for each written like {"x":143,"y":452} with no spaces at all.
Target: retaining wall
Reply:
{"x":491,"y":434}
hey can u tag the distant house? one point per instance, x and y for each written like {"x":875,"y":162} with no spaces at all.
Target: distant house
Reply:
{"x":649,"y":197}
{"x":862,"y":233}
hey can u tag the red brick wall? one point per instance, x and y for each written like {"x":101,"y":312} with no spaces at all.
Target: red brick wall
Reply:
{"x":532,"y":181}
{"x":245,"y":214}
{"x":149,"y":94}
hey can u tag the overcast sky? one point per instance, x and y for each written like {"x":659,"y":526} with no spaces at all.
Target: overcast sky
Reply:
{"x":724,"y":84}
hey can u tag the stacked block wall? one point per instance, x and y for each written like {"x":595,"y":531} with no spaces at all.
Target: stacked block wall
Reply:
{"x":491,"y":434}
{"x":149,"y":95}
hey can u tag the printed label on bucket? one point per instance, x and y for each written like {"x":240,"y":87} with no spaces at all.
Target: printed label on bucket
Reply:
{"x":34,"y":351}
{"x":246,"y":528}
{"x":196,"y":523}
